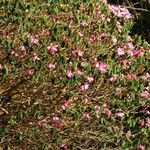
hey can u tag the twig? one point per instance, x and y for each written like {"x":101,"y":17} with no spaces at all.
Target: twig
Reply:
{"x":140,"y":9}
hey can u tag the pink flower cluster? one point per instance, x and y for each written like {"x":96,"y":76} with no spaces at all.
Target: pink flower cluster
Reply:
{"x":130,"y":49}
{"x":141,"y":147}
{"x":102,"y":67}
{"x":131,"y":76}
{"x":125,"y":64}
{"x":51,"y":66}
{"x":119,"y":114}
{"x":119,"y":11}
{"x":30,"y":72}
{"x":70,"y":74}
{"x":13,"y":53}
{"x":113,"y":78}
{"x":84,"y":87}
{"x":77,"y":52}
{"x":145,"y":94}
{"x":138,"y":53}
{"x":107,"y":112}
{"x":56,"y":121}
{"x":120,"y":51}
{"x":86,"y":115}
{"x":84,"y":24}
{"x":35,"y":57}
{"x":103,"y":17}
{"x":23,"y":49}
{"x":64,"y":104}
{"x":34,"y":40}
{"x":52,"y":48}
{"x":145,"y":123}
{"x":90,"y":79}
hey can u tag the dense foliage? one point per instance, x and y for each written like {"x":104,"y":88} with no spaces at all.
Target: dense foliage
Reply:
{"x":71,"y":77}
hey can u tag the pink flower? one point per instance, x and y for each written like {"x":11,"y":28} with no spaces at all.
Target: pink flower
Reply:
{"x":97,"y":108}
{"x":93,"y":38}
{"x":75,"y":98}
{"x":1,"y":67}
{"x":100,"y":66}
{"x":119,"y":114}
{"x":52,"y":48}
{"x":69,"y":74}
{"x":51,"y":66}
{"x":42,"y":122}
{"x":120,"y":51}
{"x":103,"y":67}
{"x":86,"y":115}
{"x":23,"y":48}
{"x":77,"y":53}
{"x":35,"y":57}
{"x":89,"y":79}
{"x":13,"y":53}
{"x":96,"y":64}
{"x":84,"y":87}
{"x":61,"y":78}
{"x":63,"y":147}
{"x":34,"y":40}
{"x":61,"y":125}
{"x":108,"y":19}
{"x":138,"y":53}
{"x":147,"y":112}
{"x":145,"y":94}
{"x":107,"y":112}
{"x":86,"y":100}
{"x":16,"y":55}
{"x":103,"y":37}
{"x":84,"y":24}
{"x":142,"y":122}
{"x":64,"y":104}
{"x":130,"y":46}
{"x":141,"y":147}
{"x":113,"y":78}
{"x":30,"y":72}
{"x":130,"y":52}
{"x":147,"y":75}
{"x":80,"y":34}
{"x":119,"y":11}
{"x":131,"y":76}
{"x":129,"y":133}
{"x":147,"y":124}
{"x":55,"y":119}
{"x":126,"y":64}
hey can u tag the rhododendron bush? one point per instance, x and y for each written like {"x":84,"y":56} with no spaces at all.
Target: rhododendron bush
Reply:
{"x":72,"y":77}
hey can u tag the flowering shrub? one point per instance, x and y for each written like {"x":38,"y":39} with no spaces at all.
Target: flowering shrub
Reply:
{"x":72,"y":77}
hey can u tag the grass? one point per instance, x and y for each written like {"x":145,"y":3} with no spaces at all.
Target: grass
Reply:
{"x":72,"y":77}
